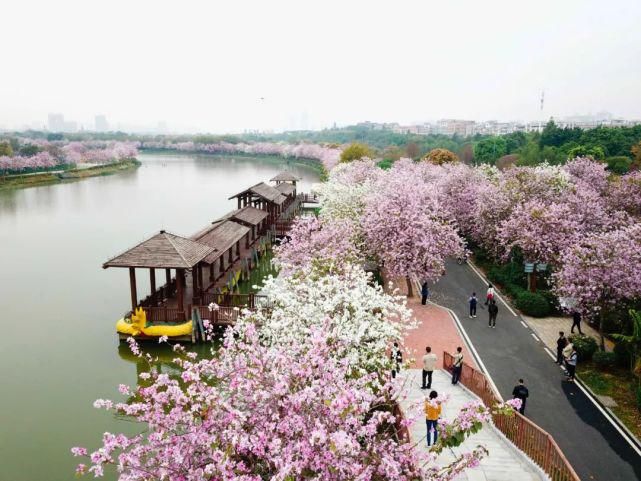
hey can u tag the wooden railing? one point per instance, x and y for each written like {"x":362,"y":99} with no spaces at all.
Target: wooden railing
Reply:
{"x":163,"y":293}
{"x":251,"y":301}
{"x":222,"y":316}
{"x":537,"y":444}
{"x":162,"y":314}
{"x":311,"y":198}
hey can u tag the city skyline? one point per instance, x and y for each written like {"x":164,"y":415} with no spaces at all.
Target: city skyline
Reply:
{"x":303,"y":66}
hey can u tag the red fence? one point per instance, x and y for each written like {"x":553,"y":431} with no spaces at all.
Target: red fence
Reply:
{"x":527,"y":436}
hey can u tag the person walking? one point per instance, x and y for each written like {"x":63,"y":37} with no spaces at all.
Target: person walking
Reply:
{"x":561,"y":342}
{"x":429,"y":364}
{"x":576,"y":322}
{"x":567,"y":350}
{"x":493,"y":309}
{"x":424,"y":293}
{"x":490,"y":294}
{"x":522,"y":393}
{"x":397,"y":359}
{"x":457,"y":365}
{"x":432,"y":413}
{"x":570,"y":363}
{"x":473,"y":301}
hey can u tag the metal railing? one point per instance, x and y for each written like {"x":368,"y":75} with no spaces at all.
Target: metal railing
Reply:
{"x":536,"y":443}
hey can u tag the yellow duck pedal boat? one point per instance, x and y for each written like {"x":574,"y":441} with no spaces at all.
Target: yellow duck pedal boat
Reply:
{"x":138,"y":325}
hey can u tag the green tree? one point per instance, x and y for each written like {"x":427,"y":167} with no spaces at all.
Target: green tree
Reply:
{"x":530,"y":153}
{"x":514,"y":141}
{"x":488,"y":150}
{"x":596,"y":152}
{"x":633,"y":342}
{"x":619,"y":164}
{"x":29,"y":150}
{"x":636,"y":156}
{"x":5,"y":149}
{"x":412,"y":150}
{"x":356,"y":151}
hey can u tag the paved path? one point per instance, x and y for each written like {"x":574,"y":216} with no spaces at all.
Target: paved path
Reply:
{"x":504,"y":462}
{"x":437,"y":330}
{"x":593,"y":446}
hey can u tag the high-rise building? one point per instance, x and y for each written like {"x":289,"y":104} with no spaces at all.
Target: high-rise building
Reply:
{"x":101,"y":124}
{"x":56,"y":122}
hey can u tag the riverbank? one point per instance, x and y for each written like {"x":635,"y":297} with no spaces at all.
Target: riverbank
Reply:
{"x":47,"y":178}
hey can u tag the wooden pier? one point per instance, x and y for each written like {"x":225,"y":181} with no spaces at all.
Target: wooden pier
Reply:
{"x":206,"y":267}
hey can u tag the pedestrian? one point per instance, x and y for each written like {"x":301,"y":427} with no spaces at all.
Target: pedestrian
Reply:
{"x":490,"y":294}
{"x":493,"y":309}
{"x":473,"y":301}
{"x":561,"y":342}
{"x":429,"y":364}
{"x":570,"y":363}
{"x":457,"y":365}
{"x":567,"y":350}
{"x":576,"y":322}
{"x":522,"y":393}
{"x":397,"y":359}
{"x":424,"y":293}
{"x":432,"y":413}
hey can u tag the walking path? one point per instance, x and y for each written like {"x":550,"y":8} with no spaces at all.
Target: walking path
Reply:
{"x":504,"y":462}
{"x":593,"y":446}
{"x":547,"y":328}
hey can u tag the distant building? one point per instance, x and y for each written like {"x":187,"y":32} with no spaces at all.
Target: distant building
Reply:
{"x":56,"y":122}
{"x":101,"y":124}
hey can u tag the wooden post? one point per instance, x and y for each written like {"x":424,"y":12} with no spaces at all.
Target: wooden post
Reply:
{"x":211,"y":271}
{"x":238,"y":249}
{"x":152,"y":282}
{"x":168,"y":276}
{"x":132,"y":285}
{"x":239,"y":202}
{"x":194,"y":282}
{"x":200,"y":279}
{"x":231,"y":255}
{"x":180,"y":284}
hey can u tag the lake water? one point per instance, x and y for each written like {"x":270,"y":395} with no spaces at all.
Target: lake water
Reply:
{"x":58,"y":307}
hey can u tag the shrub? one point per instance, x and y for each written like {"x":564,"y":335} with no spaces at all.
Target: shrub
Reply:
{"x":585,"y":347}
{"x":604,"y":360}
{"x":619,"y":165}
{"x":532,"y":304}
{"x":623,"y":355}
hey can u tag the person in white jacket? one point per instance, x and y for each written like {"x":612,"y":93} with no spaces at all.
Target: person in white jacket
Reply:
{"x":490,"y":294}
{"x":429,"y":364}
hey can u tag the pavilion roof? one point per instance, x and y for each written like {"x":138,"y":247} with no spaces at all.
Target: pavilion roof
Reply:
{"x":264,"y":191}
{"x":286,"y":188}
{"x":221,"y":236}
{"x":247,"y":215}
{"x":162,"y":251}
{"x":284,"y":176}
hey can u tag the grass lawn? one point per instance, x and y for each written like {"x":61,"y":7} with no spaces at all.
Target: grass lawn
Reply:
{"x":619,"y":385}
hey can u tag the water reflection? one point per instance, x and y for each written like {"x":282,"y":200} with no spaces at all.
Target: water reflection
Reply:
{"x":58,"y":307}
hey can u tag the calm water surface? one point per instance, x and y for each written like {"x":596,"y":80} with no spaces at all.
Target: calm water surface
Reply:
{"x":58,"y":307}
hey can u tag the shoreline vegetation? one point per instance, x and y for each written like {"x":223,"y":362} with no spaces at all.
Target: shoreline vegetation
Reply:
{"x":18,"y":181}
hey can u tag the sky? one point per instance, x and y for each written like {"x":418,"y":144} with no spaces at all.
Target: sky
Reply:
{"x":228,"y":66}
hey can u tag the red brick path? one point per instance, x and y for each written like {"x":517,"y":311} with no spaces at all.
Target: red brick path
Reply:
{"x":436,"y":329}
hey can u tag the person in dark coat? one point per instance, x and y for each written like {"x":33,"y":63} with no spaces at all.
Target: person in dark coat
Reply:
{"x":424,"y":293}
{"x":493,"y":309}
{"x":576,"y":322}
{"x":561,"y":342}
{"x":522,"y":393}
{"x":473,"y":301}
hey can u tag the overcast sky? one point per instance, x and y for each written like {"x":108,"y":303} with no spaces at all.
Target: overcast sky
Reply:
{"x":206,"y":65}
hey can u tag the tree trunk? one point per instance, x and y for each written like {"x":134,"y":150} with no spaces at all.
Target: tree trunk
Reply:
{"x":410,"y":292}
{"x":601,"y":321}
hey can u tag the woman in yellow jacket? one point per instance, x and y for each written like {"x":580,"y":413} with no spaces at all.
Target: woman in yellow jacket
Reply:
{"x":432,"y":413}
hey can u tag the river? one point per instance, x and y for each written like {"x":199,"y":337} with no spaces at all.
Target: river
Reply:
{"x":58,"y":307}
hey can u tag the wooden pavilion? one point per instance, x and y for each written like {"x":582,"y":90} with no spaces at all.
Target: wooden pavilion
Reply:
{"x":251,"y":217}
{"x":224,"y":236}
{"x":264,"y":197}
{"x":164,"y":251}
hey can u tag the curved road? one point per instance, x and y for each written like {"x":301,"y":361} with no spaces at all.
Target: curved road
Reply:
{"x":593,"y":446}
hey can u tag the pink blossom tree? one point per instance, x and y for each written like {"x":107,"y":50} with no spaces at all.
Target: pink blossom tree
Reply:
{"x":601,"y":270}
